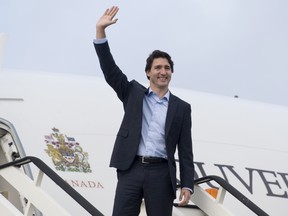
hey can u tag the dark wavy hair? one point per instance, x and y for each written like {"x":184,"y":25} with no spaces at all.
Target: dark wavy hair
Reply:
{"x":158,"y":54}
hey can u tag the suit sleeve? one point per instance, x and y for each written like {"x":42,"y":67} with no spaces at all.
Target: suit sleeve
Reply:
{"x":112,"y":73}
{"x":185,"y":152}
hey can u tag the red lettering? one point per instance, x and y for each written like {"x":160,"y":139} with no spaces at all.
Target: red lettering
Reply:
{"x":99,"y":185}
{"x":74,"y":183}
{"x":91,"y":184}
{"x":85,"y":184}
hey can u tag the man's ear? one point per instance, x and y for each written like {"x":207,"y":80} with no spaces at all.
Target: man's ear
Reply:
{"x":147,"y":74}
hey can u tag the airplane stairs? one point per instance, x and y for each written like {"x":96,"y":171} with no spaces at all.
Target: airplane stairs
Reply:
{"x":38,"y":200}
{"x":212,"y":204}
{"x":20,"y":195}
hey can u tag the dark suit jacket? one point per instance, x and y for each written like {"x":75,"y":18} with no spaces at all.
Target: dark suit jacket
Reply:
{"x":177,"y":128}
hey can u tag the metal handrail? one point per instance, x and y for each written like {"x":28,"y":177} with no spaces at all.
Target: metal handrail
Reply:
{"x":58,"y":180}
{"x":234,"y":192}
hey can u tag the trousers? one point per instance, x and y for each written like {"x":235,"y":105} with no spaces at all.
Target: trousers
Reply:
{"x":150,"y":182}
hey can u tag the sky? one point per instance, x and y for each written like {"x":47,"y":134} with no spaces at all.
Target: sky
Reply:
{"x":226,"y":47}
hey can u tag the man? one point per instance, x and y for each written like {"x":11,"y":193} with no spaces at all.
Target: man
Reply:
{"x":154,"y":124}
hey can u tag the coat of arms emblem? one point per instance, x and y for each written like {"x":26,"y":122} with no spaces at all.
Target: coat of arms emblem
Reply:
{"x":66,"y":153}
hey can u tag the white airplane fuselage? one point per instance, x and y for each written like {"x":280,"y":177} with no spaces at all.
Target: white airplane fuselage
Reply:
{"x":242,"y":141}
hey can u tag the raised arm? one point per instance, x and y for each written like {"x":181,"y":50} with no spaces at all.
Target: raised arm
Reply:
{"x":106,"y":20}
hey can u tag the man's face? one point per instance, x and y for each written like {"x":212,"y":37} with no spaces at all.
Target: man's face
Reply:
{"x":160,"y":74}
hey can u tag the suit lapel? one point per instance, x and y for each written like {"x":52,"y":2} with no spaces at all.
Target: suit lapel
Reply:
{"x":172,"y":108}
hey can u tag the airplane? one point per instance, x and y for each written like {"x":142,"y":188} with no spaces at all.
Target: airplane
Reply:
{"x":64,"y":125}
